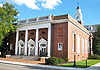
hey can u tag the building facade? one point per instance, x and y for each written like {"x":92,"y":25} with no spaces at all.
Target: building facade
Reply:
{"x":53,"y":36}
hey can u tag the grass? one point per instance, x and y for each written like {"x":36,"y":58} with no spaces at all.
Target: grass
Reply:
{"x":82,"y":64}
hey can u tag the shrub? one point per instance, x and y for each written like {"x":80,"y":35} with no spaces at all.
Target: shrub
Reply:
{"x":90,"y":57}
{"x":60,"y":60}
{"x":53,"y":61}
{"x":67,"y":59}
{"x":95,"y":56}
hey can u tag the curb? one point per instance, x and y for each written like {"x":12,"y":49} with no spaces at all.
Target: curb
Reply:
{"x":41,"y":66}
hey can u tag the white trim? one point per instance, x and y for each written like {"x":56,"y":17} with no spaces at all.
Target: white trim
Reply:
{"x":79,"y":26}
{"x":26,"y":38}
{"x":32,"y":26}
{"x":49,"y":41}
{"x":36,"y":47}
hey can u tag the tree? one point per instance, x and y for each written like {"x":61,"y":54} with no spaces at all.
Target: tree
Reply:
{"x":7,"y":18}
{"x":96,"y":41}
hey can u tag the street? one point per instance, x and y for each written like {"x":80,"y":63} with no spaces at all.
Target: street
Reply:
{"x":4,"y":66}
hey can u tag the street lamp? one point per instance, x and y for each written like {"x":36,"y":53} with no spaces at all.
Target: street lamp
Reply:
{"x":74,"y":49}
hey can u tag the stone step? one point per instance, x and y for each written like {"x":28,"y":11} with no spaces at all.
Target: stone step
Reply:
{"x":24,"y":57}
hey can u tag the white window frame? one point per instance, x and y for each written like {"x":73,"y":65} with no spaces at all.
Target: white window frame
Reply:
{"x":60,"y":49}
{"x":85,"y":45}
{"x":78,"y":43}
{"x":72,"y":33}
{"x":11,"y":46}
{"x":82,"y":44}
{"x":72,"y":47}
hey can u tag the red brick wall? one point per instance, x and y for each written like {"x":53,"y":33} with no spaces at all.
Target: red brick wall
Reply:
{"x":43,"y":35}
{"x":31,"y":35}
{"x":22,"y":36}
{"x":81,"y":56}
{"x":12,"y":40}
{"x":60,"y":17}
{"x":59,"y":37}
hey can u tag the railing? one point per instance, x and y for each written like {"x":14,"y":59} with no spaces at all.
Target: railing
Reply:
{"x":34,"y":20}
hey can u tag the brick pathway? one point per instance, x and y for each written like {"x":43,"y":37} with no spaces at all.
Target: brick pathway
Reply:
{"x":23,"y":61}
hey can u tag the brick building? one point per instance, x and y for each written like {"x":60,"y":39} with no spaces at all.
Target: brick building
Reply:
{"x":52,"y":36}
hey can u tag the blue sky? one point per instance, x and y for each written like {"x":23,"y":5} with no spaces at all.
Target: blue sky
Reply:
{"x":33,"y":8}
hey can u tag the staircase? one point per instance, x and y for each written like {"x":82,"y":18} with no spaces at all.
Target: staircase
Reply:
{"x":24,"y":57}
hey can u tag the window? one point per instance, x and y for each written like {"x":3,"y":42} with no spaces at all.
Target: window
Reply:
{"x":11,"y":47}
{"x":32,"y":33}
{"x":43,"y":45}
{"x":85,"y":45}
{"x":32,"y":45}
{"x":82,"y":45}
{"x":78,"y":44}
{"x":22,"y":45}
{"x":72,"y":33}
{"x":22,"y":34}
{"x":43,"y":32}
{"x":90,"y":28}
{"x":72,"y":47}
{"x":60,"y":46}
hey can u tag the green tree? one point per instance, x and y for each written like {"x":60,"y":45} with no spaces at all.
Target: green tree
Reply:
{"x":7,"y":18}
{"x":96,"y":41}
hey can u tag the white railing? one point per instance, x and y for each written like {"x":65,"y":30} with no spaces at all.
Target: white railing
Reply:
{"x":34,"y":20}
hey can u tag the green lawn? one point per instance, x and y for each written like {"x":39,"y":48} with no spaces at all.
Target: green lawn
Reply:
{"x":82,"y":64}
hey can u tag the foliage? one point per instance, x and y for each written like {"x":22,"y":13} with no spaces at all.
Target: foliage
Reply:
{"x":54,"y":60}
{"x":82,"y":64}
{"x":67,"y":59}
{"x":7,"y":19}
{"x":96,"y":41}
{"x":60,"y":60}
{"x":95,"y":56}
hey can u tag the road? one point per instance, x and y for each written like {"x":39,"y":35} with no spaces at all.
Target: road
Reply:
{"x":4,"y":66}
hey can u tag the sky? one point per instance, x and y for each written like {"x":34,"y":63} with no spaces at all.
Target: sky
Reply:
{"x":33,"y":8}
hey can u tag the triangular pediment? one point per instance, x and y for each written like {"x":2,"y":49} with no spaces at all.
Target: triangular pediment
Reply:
{"x":21,"y":41}
{"x":31,"y":41}
{"x":42,"y":40}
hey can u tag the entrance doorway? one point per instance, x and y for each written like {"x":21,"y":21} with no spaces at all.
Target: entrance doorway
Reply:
{"x":43,"y":50}
{"x":31,"y":45}
{"x":42,"y":47}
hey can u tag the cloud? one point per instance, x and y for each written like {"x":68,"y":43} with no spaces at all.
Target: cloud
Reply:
{"x":1,"y":5}
{"x":29,"y":3}
{"x":35,"y":4}
{"x":50,"y":4}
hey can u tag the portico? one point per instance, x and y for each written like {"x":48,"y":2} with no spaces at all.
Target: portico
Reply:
{"x":31,"y":47}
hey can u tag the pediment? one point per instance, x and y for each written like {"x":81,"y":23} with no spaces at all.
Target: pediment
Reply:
{"x":21,"y":41}
{"x":42,"y":40}
{"x":31,"y":41}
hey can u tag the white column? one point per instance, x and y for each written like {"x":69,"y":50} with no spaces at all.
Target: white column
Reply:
{"x":37,"y":36}
{"x":26,"y":38}
{"x":16,"y":46}
{"x":49,"y":41}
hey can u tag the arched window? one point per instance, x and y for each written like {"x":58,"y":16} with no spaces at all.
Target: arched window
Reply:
{"x":85,"y":45}
{"x":78,"y":43}
{"x":82,"y":44}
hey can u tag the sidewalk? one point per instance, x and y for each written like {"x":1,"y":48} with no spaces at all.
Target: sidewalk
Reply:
{"x":35,"y":64}
{"x":23,"y":61}
{"x":40,"y":64}
{"x":94,"y":67}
